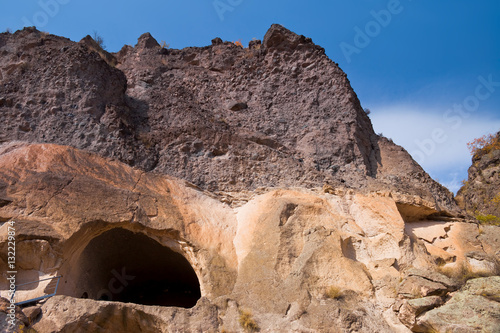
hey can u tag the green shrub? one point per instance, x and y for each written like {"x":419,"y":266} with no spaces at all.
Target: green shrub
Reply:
{"x":488,"y":219}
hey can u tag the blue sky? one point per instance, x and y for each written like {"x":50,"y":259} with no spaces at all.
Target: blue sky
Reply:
{"x":428,"y":70}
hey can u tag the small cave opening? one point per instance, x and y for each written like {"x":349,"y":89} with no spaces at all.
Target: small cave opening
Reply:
{"x":123,"y":266}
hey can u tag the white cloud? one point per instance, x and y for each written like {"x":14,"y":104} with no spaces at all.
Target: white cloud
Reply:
{"x":453,"y":180}
{"x":437,"y":139}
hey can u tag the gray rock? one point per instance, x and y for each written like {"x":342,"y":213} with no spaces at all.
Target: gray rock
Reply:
{"x":480,"y":192}
{"x":412,"y":308}
{"x":475,"y":308}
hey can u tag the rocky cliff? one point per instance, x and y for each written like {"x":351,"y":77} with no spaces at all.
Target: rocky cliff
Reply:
{"x":222,"y":189}
{"x":225,"y":118}
{"x":480,"y":195}
{"x":326,"y":259}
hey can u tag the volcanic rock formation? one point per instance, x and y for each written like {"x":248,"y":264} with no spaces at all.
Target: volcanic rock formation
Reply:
{"x":221,"y":189}
{"x":279,"y":113}
{"x":480,"y":195}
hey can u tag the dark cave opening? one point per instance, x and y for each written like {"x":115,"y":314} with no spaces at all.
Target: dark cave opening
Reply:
{"x":120,"y":265}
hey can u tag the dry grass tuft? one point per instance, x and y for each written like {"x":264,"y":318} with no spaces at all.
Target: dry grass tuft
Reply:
{"x":463,"y":273}
{"x":333,"y":292}
{"x":247,"y":322}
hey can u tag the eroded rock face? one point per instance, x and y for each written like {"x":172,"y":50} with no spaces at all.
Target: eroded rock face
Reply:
{"x":475,"y":308}
{"x":275,"y":254}
{"x":288,"y":213}
{"x":480,"y":194}
{"x":67,"y":314}
{"x":69,"y":197}
{"x":225,"y":118}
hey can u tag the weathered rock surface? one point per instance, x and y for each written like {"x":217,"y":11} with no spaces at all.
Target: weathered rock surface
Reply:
{"x":481,"y":192}
{"x":217,"y":188}
{"x":275,"y":255}
{"x":421,"y":291}
{"x":412,"y":308}
{"x":62,"y":314}
{"x":475,"y":308}
{"x":222,"y":117}
{"x":6,"y":314}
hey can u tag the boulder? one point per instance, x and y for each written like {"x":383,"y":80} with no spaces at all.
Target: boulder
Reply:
{"x":475,"y":308}
{"x":62,"y":314}
{"x":417,"y":287}
{"x":411,"y":309}
{"x":11,"y":317}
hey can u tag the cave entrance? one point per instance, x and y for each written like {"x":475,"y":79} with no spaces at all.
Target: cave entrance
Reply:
{"x":120,"y":265}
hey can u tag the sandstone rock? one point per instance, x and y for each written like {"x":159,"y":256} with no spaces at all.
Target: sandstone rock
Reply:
{"x":66,"y":314}
{"x":489,"y":236}
{"x":32,"y":313}
{"x":83,"y":189}
{"x":274,"y":254}
{"x":417,"y":287}
{"x":448,"y":242}
{"x":278,"y":257}
{"x":348,"y":317}
{"x":283,"y":191}
{"x":429,"y":230}
{"x":35,"y":255}
{"x":435,"y":277}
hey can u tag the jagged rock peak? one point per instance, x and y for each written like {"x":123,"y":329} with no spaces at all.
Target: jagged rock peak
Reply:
{"x":279,"y":37}
{"x":88,"y":40}
{"x":146,"y":41}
